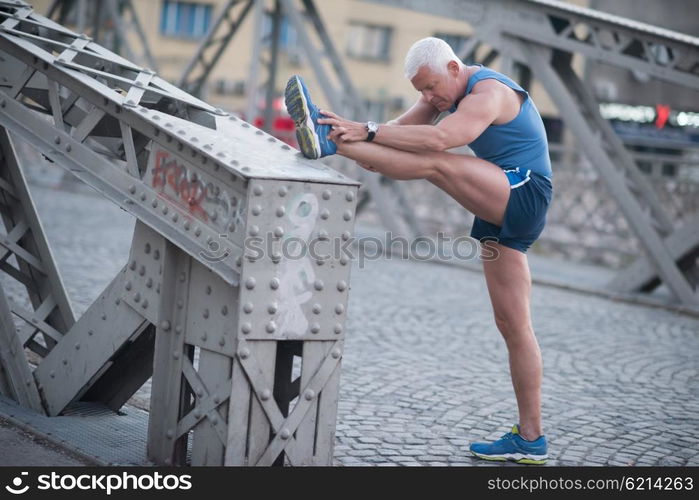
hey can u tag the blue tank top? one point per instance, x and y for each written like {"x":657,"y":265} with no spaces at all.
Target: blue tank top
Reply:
{"x":519,"y":143}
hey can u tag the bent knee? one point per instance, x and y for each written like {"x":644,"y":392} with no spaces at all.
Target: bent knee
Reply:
{"x":512,"y":327}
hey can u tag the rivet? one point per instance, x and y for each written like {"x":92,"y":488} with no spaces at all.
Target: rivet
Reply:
{"x":197,"y":232}
{"x":324,"y":214}
{"x":338,"y":328}
{"x":77,"y":346}
{"x":186,"y":225}
{"x":317,"y":309}
{"x":176,"y":355}
{"x":197,"y":414}
{"x":57,"y":140}
{"x":239,"y":261}
{"x":137,"y":297}
{"x":274,"y":283}
{"x":154,"y":203}
{"x":156,"y":254}
{"x":132,"y":266}
{"x":90,"y":333}
{"x":180,"y":304}
{"x":281,"y":211}
{"x":250,"y":283}
{"x":224,"y":310}
{"x":165,"y":210}
{"x":349,"y":196}
{"x":217,"y":400}
{"x":165,"y":325}
{"x":222,"y":341}
{"x":271,"y":327}
{"x":323,"y":235}
{"x":204,"y":337}
{"x":69,"y":148}
{"x":246,"y":328}
{"x":248,"y":307}
{"x":265,"y":395}
{"x":283,"y":190}
{"x":183,"y":276}
{"x":285,"y":434}
{"x":256,"y":210}
{"x":326,"y":194}
{"x":65,"y":361}
{"x":175,"y":217}
{"x":117,"y":301}
{"x":200,"y":393}
{"x":208,"y":289}
{"x":178,"y":329}
{"x":254,"y":230}
{"x":128,"y":285}
{"x":258,"y":190}
{"x":52,"y":374}
{"x":339,"y":309}
{"x":244,"y":353}
{"x":347,"y":215}
{"x":142,"y":270}
{"x":315,"y":328}
{"x":309,"y":394}
{"x":318,"y":285}
{"x":144,"y":304}
{"x":272,"y":308}
{"x":149,"y":283}
{"x":344,"y":260}
{"x":286,"y":147}
{"x":342,"y":286}
{"x":170,"y":434}
{"x":206,"y":313}
{"x":147,"y":249}
{"x":336,"y":353}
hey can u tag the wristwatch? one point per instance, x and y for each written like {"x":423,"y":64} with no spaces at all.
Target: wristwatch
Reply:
{"x":371,"y":128}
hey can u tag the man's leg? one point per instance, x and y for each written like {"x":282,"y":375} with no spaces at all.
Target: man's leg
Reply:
{"x":509,"y":286}
{"x":479,"y":186}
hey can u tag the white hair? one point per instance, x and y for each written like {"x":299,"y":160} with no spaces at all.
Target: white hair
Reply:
{"x":432,"y":52}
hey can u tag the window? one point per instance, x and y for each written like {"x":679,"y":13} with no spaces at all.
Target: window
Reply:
{"x":185,"y":19}
{"x":370,"y":42}
{"x":456,"y":42}
{"x":287,"y":33}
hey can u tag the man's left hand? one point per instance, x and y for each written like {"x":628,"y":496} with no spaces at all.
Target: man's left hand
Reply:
{"x":343,"y":130}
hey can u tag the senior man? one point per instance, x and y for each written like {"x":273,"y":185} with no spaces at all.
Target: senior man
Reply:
{"x":507,"y":186}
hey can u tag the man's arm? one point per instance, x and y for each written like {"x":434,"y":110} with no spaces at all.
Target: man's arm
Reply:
{"x":420,"y":113}
{"x":473,"y":115}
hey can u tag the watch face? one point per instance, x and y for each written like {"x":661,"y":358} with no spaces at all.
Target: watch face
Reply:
{"x":373,"y":127}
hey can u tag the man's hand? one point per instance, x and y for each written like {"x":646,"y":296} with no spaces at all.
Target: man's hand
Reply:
{"x":343,"y":130}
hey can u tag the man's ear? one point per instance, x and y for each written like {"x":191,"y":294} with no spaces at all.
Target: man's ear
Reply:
{"x":453,"y":67}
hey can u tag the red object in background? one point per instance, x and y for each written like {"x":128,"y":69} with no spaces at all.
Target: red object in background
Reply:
{"x":282,"y":128}
{"x":662,"y":113}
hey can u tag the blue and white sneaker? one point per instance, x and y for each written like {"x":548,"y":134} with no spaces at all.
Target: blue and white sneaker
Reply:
{"x":512,"y":446}
{"x":311,"y":136}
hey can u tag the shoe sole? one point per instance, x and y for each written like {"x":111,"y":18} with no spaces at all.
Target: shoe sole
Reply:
{"x":298,"y":109}
{"x":516,"y":457}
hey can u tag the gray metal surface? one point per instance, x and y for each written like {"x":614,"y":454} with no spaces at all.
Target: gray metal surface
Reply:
{"x":201,"y":183}
{"x":90,"y":429}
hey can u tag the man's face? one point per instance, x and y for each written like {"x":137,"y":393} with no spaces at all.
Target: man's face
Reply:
{"x":440,"y":89}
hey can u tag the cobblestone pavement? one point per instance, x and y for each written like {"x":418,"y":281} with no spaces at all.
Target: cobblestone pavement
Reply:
{"x":425,"y":372}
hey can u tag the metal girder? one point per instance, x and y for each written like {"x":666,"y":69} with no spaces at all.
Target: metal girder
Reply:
{"x":544,"y":34}
{"x":51,"y":315}
{"x":222,"y":31}
{"x":126,"y":24}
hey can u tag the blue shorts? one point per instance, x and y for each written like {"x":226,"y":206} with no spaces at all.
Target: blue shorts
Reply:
{"x":525,"y":215}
